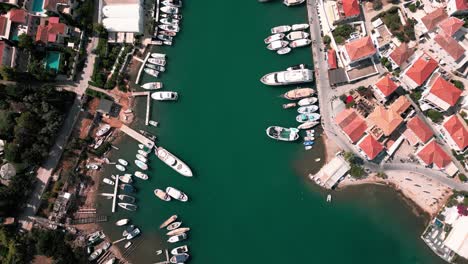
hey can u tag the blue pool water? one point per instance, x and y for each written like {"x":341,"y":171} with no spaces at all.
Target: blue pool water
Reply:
{"x":37,"y":5}
{"x":53,"y":60}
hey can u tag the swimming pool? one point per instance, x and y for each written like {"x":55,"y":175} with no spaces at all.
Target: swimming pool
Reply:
{"x":53,"y":60}
{"x":37,"y":6}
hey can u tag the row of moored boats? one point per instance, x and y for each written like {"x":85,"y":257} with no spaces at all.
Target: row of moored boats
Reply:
{"x":285,"y":38}
{"x":169,"y":22}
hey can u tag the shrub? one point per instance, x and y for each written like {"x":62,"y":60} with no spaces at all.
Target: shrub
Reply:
{"x":462,"y":178}
{"x":458,"y":84}
{"x":342,"y":32}
{"x":416,"y":95}
{"x":357,"y":171}
{"x":377,"y":4}
{"x":434,"y":115}
{"x":412,"y":8}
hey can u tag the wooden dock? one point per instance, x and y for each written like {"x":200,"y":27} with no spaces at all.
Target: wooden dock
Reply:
{"x":116,"y":189}
{"x":137,"y":81}
{"x":89,"y":220}
{"x":148,"y":103}
{"x":137,"y":136}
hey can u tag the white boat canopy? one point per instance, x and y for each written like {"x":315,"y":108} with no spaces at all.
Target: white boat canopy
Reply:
{"x":123,"y":17}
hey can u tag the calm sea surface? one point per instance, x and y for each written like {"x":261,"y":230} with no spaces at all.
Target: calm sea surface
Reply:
{"x":250,"y":201}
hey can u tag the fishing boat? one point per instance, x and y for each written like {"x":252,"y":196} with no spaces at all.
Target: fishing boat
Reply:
{"x":290,"y":105}
{"x":92,"y":166}
{"x":307,"y":117}
{"x":299,"y":93}
{"x":174,"y":226}
{"x":276,"y":45}
{"x":142,"y":152}
{"x":152,"y":72}
{"x":178,"y":231}
{"x":127,"y":188}
{"x":280,"y":29}
{"x":157,"y":61}
{"x":308,"y":143}
{"x":168,"y":221}
{"x":283,"y":134}
{"x":127,"y":178}
{"x":284,"y":50}
{"x":168,"y":33}
{"x":175,"y":239}
{"x":170,"y":28}
{"x":153,"y":123}
{"x":158,"y":55}
{"x":173,"y":3}
{"x":308,"y":124}
{"x":173,"y":162}
{"x":300,"y":43}
{"x":141,"y":158}
{"x":317,"y":159}
{"x":176,"y":194}
{"x":108,"y":181}
{"x":122,"y":222}
{"x":295,"y":35}
{"x":180,"y":258}
{"x":165,"y":37}
{"x":126,"y":198}
{"x":120,"y":167}
{"x":169,"y":10}
{"x":293,"y":2}
{"x":162,"y":195}
{"x":299,"y":26}
{"x":123,"y":162}
{"x":102,"y":130}
{"x":95,"y":254}
{"x":128,"y":230}
{"x":128,"y":244}
{"x":180,"y":250}
{"x":307,"y":101}
{"x":135,"y":232}
{"x":288,"y":77}
{"x":165,"y":96}
{"x":141,"y":175}
{"x":152,"y":85}
{"x":141,"y":164}
{"x":170,"y":21}
{"x":151,"y":66}
{"x":274,"y":37}
{"x":128,"y":206}
{"x":307,"y":109}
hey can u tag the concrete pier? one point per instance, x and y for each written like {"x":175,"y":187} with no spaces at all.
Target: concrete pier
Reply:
{"x":148,"y":104}
{"x":116,"y":189}
{"x":137,"y":136}
{"x":137,"y":81}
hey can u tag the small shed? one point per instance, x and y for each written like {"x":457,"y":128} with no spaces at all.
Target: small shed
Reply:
{"x":105,"y":106}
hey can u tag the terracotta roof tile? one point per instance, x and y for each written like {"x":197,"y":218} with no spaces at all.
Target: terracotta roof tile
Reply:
{"x":18,"y":15}
{"x":386,"y":85}
{"x":446,"y":91}
{"x":400,"y":105}
{"x":457,"y":130}
{"x":432,"y":19}
{"x":420,"y":129}
{"x":461,"y":4}
{"x":360,"y":48}
{"x":401,"y":54}
{"x":332,"y":64}
{"x":3,"y":24}
{"x":451,"y":46}
{"x":371,"y":147}
{"x":451,"y":25}
{"x":49,"y":33}
{"x":351,"y":123}
{"x":432,"y":153}
{"x":421,"y":69}
{"x":351,"y":8}
{"x":386,"y":120}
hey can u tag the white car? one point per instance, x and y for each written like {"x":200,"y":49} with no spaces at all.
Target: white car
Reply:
{"x":165,"y":96}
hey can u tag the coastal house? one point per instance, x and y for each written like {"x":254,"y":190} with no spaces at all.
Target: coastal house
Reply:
{"x":7,"y":54}
{"x":358,"y":50}
{"x":383,"y":121}
{"x":419,"y":72}
{"x":419,"y":130}
{"x":439,"y":94}
{"x":400,"y":56}
{"x":455,"y":132}
{"x":352,"y":124}
{"x":370,"y":147}
{"x":123,"y":19}
{"x":457,"y":7}
{"x":457,"y":238}
{"x":433,"y":155}
{"x":347,"y":10}
{"x":383,"y":88}
{"x":51,"y":31}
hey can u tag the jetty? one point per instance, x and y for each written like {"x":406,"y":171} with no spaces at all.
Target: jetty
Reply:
{"x":114,"y":198}
{"x":137,"y":136}
{"x":148,"y":103}
{"x":167,"y":258}
{"x":137,"y":81}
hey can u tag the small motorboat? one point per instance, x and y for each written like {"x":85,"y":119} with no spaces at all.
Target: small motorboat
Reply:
{"x":173,"y":3}
{"x":107,"y":195}
{"x":159,"y":68}
{"x":127,"y":178}
{"x":295,"y":35}
{"x":127,"y":188}
{"x":153,"y":123}
{"x":293,"y":2}
{"x":179,"y":258}
{"x":162,"y":195}
{"x":307,"y":109}
{"x":169,"y":10}
{"x":165,"y":37}
{"x":284,"y":50}
{"x":280,"y":29}
{"x":128,"y":206}
{"x":174,"y":16}
{"x":308,"y":143}
{"x":299,"y":26}
{"x":167,"y":42}
{"x":128,"y":244}
{"x":299,"y":93}
{"x":158,"y":55}
{"x":175,"y":239}
{"x":126,"y":198}
{"x":300,"y":43}
{"x":102,"y":130}
{"x":142,"y":158}
{"x":95,"y":254}
{"x":329,"y":198}
{"x":308,"y":125}
{"x":176,"y":194}
{"x":157,"y":61}
{"x":173,"y":226}
{"x":168,"y":221}
{"x":290,"y":105}
{"x":317,"y":159}
{"x":307,"y":117}
{"x":141,"y":175}
{"x":133,"y":234}
{"x":128,"y":230}
{"x":92,"y":166}
{"x":165,"y":96}
{"x":168,"y":33}
{"x":123,"y":162}
{"x":274,"y":37}
{"x":283,"y":134}
{"x":307,"y":101}
{"x":151,"y":72}
{"x":108,"y":181}
{"x":141,"y":164}
{"x":122,"y":222}
{"x":152,"y":85}
{"x":98,"y":143}
{"x":170,"y":28}
{"x":142,"y":152}
{"x":170,"y":21}
{"x":179,"y":250}
{"x":276,"y":45}
{"x":178,"y":231}
{"x":120,"y":167}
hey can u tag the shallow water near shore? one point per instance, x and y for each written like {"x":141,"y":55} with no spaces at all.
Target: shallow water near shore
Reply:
{"x":250,"y":201}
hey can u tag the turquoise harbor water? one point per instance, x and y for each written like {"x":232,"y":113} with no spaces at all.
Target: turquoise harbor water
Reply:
{"x":250,"y":201}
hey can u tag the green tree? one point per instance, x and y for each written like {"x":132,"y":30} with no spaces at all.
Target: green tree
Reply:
{"x":342,"y":32}
{"x":326,"y":40}
{"x":412,"y":8}
{"x":99,"y":29}
{"x":7,"y":124}
{"x":434,"y":115}
{"x":357,"y":171}
{"x":7,"y":73}
{"x":377,"y":4}
{"x":462,"y":177}
{"x":458,"y":84}
{"x":25,"y":42}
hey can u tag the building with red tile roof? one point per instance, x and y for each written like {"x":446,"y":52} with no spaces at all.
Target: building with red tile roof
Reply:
{"x":400,"y":105}
{"x":50,"y":30}
{"x":420,"y":71}
{"x":350,"y":8}
{"x":370,"y":147}
{"x":442,"y":94}
{"x":18,"y":16}
{"x":352,"y":123}
{"x":433,"y":154}
{"x":455,"y":132}
{"x":457,"y":7}
{"x":51,"y":5}
{"x":450,"y":45}
{"x":384,"y":87}
{"x":420,"y":129}
{"x":401,"y":54}
{"x":360,"y":49}
{"x":384,"y":119}
{"x":332,"y":63}
{"x":432,"y":19}
{"x":451,"y":25}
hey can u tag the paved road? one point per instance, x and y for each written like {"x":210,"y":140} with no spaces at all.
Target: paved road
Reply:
{"x":325,"y":94}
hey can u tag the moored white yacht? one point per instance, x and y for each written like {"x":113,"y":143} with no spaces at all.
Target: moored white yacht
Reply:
{"x":280,"y":29}
{"x":173,"y":162}
{"x":288,"y":77}
{"x":277,"y":44}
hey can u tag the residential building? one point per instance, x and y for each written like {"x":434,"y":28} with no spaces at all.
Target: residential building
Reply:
{"x":370,"y":147}
{"x":451,"y":47}
{"x":420,"y":130}
{"x":384,"y":121}
{"x":457,"y":239}
{"x":7,"y":54}
{"x":352,"y":123}
{"x":432,"y":154}
{"x":332,"y":62}
{"x":359,"y":49}
{"x":418,"y":73}
{"x":440,"y":95}
{"x":348,"y":9}
{"x":457,"y":7}
{"x":51,"y":31}
{"x":400,"y":105}
{"x":58,"y":6}
{"x":400,"y":56}
{"x":451,"y":26}
{"x":383,"y":88}
{"x":455,"y":133}
{"x":431,"y":20}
